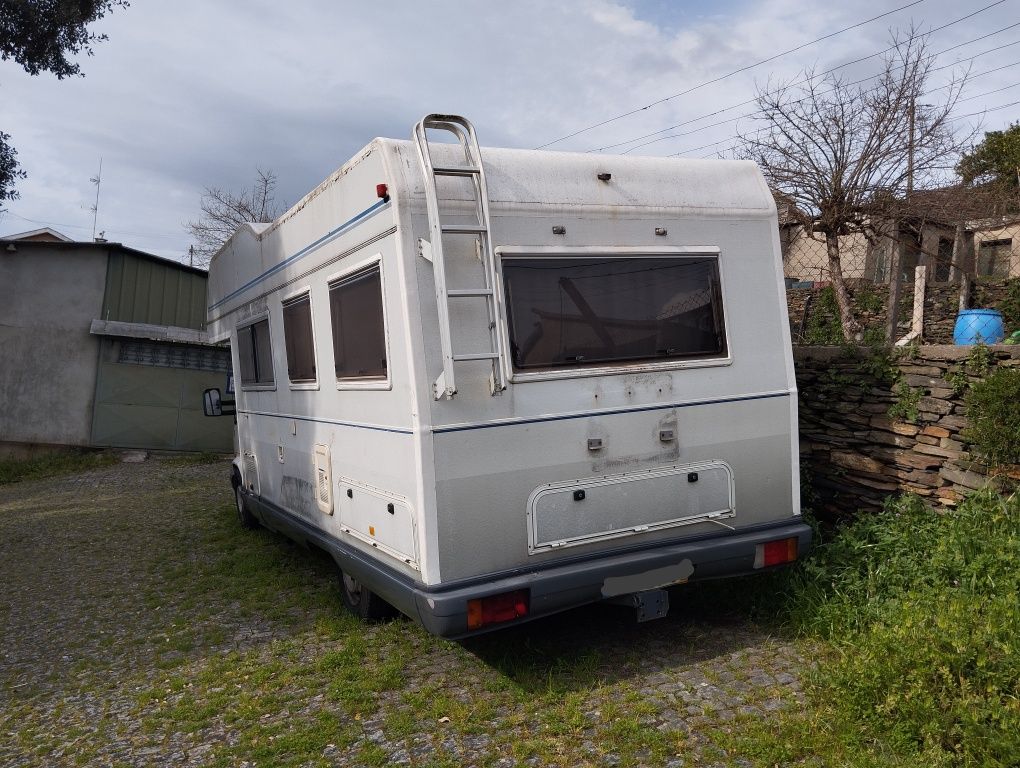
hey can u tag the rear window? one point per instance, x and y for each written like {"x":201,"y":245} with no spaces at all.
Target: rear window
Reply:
{"x":578,"y":311}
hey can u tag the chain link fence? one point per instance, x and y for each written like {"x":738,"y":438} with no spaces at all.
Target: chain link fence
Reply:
{"x":909,"y":281}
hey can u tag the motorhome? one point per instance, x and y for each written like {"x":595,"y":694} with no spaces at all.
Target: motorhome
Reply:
{"x":495,"y":384}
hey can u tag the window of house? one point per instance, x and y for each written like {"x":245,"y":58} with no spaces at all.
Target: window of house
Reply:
{"x":944,"y":262}
{"x":359,"y":333}
{"x":579,"y":311}
{"x":297,"y":333}
{"x":993,"y":258}
{"x":255,"y":354}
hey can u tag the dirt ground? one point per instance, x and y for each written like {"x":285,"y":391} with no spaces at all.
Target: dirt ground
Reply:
{"x":141,"y":626}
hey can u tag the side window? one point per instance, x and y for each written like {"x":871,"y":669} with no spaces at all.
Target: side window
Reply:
{"x":255,"y":354}
{"x":359,"y":335}
{"x":297,"y":333}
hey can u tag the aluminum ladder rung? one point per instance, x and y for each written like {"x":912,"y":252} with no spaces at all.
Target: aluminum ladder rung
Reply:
{"x":469,"y":165}
{"x":455,"y":170}
{"x":464,"y":229}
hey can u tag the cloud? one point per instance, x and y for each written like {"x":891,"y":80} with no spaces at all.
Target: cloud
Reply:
{"x":194,"y":94}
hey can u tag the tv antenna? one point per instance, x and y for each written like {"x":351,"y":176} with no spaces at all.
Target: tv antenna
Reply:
{"x":97,"y":180}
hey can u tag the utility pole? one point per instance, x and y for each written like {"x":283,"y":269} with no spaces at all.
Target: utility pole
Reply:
{"x":910,"y":147}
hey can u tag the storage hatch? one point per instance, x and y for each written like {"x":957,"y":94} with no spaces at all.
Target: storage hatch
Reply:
{"x":583,"y":511}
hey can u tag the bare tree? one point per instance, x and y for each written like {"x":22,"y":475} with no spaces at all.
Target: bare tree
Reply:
{"x":223,"y":212}
{"x":848,"y":155}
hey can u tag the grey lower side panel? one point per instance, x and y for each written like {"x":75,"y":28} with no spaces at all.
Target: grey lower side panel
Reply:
{"x":442,"y":609}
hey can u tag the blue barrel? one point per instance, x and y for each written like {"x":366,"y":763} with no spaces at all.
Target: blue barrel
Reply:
{"x":979,"y":326}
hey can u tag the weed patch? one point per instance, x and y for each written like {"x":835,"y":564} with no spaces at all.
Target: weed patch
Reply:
{"x":919,"y":609}
{"x":53,"y":464}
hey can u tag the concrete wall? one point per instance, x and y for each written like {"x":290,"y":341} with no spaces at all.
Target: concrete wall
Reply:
{"x":48,"y":359}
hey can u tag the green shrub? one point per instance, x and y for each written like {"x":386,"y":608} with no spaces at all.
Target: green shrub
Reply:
{"x":1010,"y":305}
{"x":823,"y":325}
{"x":907,"y":400}
{"x":993,"y":407}
{"x":921,"y":609}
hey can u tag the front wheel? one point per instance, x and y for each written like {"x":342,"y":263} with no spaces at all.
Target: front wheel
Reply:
{"x":361,"y":601}
{"x":246,"y":518}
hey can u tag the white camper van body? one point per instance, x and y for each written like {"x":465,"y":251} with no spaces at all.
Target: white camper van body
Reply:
{"x":580,"y":480}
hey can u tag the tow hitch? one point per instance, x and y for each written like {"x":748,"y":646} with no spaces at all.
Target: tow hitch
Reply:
{"x":649,"y":604}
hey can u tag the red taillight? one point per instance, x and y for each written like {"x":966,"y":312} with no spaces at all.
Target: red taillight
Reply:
{"x":381,"y":190}
{"x":495,"y":609}
{"x":775,"y":552}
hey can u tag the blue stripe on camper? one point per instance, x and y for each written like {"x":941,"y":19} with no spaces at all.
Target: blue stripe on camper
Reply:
{"x":331,"y":235}
{"x":355,"y":424}
{"x":637,"y":409}
{"x":517,"y":422}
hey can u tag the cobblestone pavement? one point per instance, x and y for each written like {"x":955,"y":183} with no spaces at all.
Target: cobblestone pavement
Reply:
{"x":141,"y":628}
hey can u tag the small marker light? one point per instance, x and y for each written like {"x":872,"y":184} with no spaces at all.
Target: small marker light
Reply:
{"x":381,"y":190}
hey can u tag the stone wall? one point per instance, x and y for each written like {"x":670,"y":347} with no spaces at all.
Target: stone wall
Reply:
{"x":854,"y":453}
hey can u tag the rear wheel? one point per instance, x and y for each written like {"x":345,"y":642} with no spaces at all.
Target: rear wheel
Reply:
{"x":361,"y":601}
{"x":246,"y":518}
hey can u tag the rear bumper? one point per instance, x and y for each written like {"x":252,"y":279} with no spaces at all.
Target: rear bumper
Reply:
{"x":443,"y":610}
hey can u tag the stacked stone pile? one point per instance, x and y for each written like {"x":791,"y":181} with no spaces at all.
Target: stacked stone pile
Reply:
{"x":870,"y":428}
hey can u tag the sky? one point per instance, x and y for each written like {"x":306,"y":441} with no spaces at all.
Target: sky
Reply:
{"x":194,"y":94}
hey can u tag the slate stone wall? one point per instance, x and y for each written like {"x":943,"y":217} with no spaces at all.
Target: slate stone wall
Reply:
{"x":854,"y":453}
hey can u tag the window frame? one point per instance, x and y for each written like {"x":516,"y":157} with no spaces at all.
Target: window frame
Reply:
{"x":290,"y":298}
{"x":608,"y":369}
{"x":990,"y":243}
{"x":351,"y":270}
{"x":262,"y":386}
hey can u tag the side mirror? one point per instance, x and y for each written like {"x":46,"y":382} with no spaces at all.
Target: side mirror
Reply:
{"x":212,"y":404}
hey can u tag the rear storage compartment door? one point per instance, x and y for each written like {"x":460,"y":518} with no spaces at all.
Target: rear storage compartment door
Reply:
{"x":577,"y":512}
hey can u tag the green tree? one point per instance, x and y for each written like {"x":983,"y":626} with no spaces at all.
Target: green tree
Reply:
{"x":996,"y":158}
{"x":9,"y":171}
{"x":40,"y":35}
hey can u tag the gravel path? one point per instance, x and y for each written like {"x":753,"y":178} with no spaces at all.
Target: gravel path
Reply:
{"x":141,"y":627}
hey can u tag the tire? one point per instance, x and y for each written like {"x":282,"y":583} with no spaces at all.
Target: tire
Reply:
{"x":247,"y":519}
{"x":361,"y":601}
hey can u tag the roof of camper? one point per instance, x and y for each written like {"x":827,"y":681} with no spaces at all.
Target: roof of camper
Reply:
{"x":571,"y":178}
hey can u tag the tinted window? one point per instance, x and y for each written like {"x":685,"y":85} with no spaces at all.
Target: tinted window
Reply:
{"x":580,"y":311}
{"x":297,"y":333}
{"x":255,"y":353}
{"x":359,"y":337}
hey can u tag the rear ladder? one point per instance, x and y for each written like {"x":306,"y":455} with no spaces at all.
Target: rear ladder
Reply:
{"x":432,"y":250}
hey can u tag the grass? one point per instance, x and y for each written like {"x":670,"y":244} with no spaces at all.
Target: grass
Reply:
{"x":53,"y":464}
{"x":918,"y":610}
{"x":200,"y":634}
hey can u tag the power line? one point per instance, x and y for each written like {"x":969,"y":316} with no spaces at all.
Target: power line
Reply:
{"x":857,"y":82}
{"x":822,"y":74}
{"x":991,"y":109}
{"x":81,"y":226}
{"x":735,"y":72}
{"x":957,"y":117}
